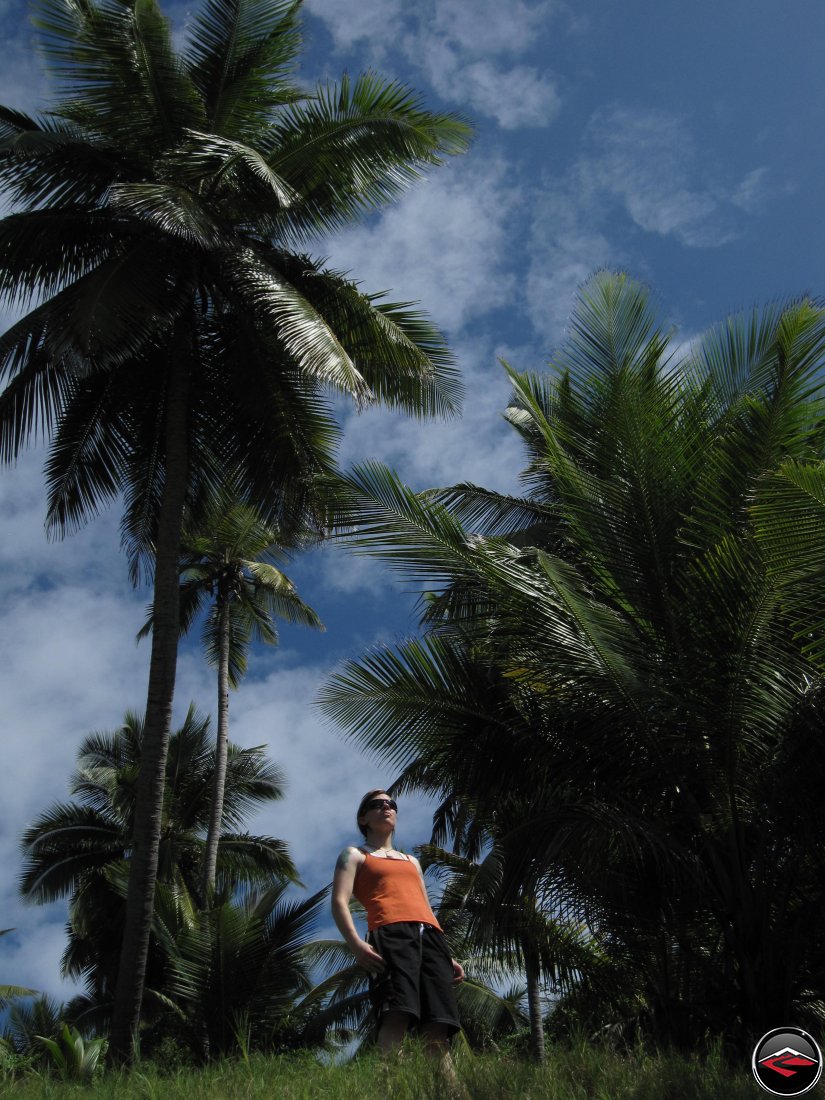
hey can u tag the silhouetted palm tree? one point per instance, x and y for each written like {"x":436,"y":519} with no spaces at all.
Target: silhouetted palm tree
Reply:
{"x":80,"y":849}
{"x":654,"y":614}
{"x":237,"y":972}
{"x":230,"y":562}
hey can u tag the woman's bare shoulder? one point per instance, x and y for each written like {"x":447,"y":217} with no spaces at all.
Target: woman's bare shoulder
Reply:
{"x":348,"y":857}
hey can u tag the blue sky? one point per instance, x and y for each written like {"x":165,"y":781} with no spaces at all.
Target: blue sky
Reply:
{"x":679,"y":142}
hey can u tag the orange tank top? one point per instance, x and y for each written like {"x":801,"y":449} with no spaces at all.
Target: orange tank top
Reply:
{"x":391,"y":891}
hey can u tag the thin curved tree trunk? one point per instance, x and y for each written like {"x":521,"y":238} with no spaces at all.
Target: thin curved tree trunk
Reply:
{"x":160,"y":695}
{"x":210,"y":855}
{"x":534,"y":1005}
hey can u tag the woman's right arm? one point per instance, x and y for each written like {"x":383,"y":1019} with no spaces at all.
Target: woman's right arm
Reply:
{"x":343,"y":882}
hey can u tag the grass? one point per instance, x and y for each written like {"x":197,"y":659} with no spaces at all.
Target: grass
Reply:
{"x":580,"y":1072}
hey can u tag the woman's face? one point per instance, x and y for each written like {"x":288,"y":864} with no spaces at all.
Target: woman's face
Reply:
{"x":380,"y":813}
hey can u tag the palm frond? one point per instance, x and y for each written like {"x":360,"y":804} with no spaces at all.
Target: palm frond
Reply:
{"x":357,"y":145}
{"x":788,"y":515}
{"x":240,"y":55}
{"x":294,"y":322}
{"x":117,"y":64}
{"x":384,"y":518}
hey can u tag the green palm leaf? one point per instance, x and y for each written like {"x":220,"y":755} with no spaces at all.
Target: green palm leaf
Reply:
{"x":240,"y":57}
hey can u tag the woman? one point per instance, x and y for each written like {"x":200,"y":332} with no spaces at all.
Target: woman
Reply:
{"x":411,"y":972}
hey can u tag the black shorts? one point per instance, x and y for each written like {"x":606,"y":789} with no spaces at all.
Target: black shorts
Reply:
{"x":418,"y":974}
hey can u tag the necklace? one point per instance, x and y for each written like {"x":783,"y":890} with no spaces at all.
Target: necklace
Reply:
{"x":389,"y":853}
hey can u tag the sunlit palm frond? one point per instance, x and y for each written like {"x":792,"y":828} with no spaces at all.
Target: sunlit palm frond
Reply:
{"x":118,"y":69}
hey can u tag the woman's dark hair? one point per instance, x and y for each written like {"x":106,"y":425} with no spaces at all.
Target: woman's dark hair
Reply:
{"x":361,"y":806}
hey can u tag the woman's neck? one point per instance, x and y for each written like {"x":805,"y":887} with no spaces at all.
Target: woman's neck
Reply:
{"x":379,"y":840}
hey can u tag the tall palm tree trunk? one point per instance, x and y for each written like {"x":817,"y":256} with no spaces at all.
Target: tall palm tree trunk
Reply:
{"x":210,"y":855}
{"x":534,"y":1005}
{"x":162,"y":669}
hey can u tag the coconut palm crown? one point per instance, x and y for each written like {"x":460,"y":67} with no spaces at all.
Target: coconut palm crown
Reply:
{"x":80,"y":849}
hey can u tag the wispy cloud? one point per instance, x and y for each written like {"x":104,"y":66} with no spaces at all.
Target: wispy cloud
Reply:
{"x":377,"y":24}
{"x":566,"y":247}
{"x":471,"y":53}
{"x":639,"y":170}
{"x":490,"y":27}
{"x":754,"y":191}
{"x":647,"y":161}
{"x":445,"y":244}
{"x":514,"y":95}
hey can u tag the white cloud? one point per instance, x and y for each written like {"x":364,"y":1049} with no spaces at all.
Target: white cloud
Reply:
{"x":30,"y":955}
{"x":565,"y":249}
{"x":480,"y":27}
{"x":377,"y":23}
{"x":514,"y":96}
{"x":469,"y":52}
{"x":28,"y":559}
{"x":753,"y":192}
{"x":461,"y":50}
{"x":490,"y":27}
{"x":340,"y":570}
{"x":683,"y":345}
{"x":445,"y":244}
{"x":639,"y":170}
{"x":517,"y":97}
{"x":646,"y":159}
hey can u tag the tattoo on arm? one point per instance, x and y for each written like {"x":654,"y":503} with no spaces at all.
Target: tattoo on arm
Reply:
{"x":343,"y":859}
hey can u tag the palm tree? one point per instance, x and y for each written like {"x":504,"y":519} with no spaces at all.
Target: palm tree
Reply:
{"x":80,"y":849}
{"x":656,"y":611}
{"x":235,"y":973}
{"x":181,"y":337}
{"x":30,"y":1016}
{"x":505,"y":935}
{"x":231,"y":560}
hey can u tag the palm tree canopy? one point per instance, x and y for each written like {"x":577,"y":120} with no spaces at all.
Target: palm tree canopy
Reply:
{"x":624,"y":669}
{"x":72,"y":845}
{"x":241,"y":966}
{"x":233,"y":556}
{"x":159,"y":206}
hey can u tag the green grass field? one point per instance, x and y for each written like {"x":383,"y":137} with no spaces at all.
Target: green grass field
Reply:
{"x":578,"y":1073}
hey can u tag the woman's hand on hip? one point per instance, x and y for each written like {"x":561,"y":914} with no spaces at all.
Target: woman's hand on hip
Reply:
{"x":368,"y":957}
{"x":458,"y":972}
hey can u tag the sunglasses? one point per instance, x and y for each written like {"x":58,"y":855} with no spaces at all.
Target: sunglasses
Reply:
{"x":379,"y":804}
